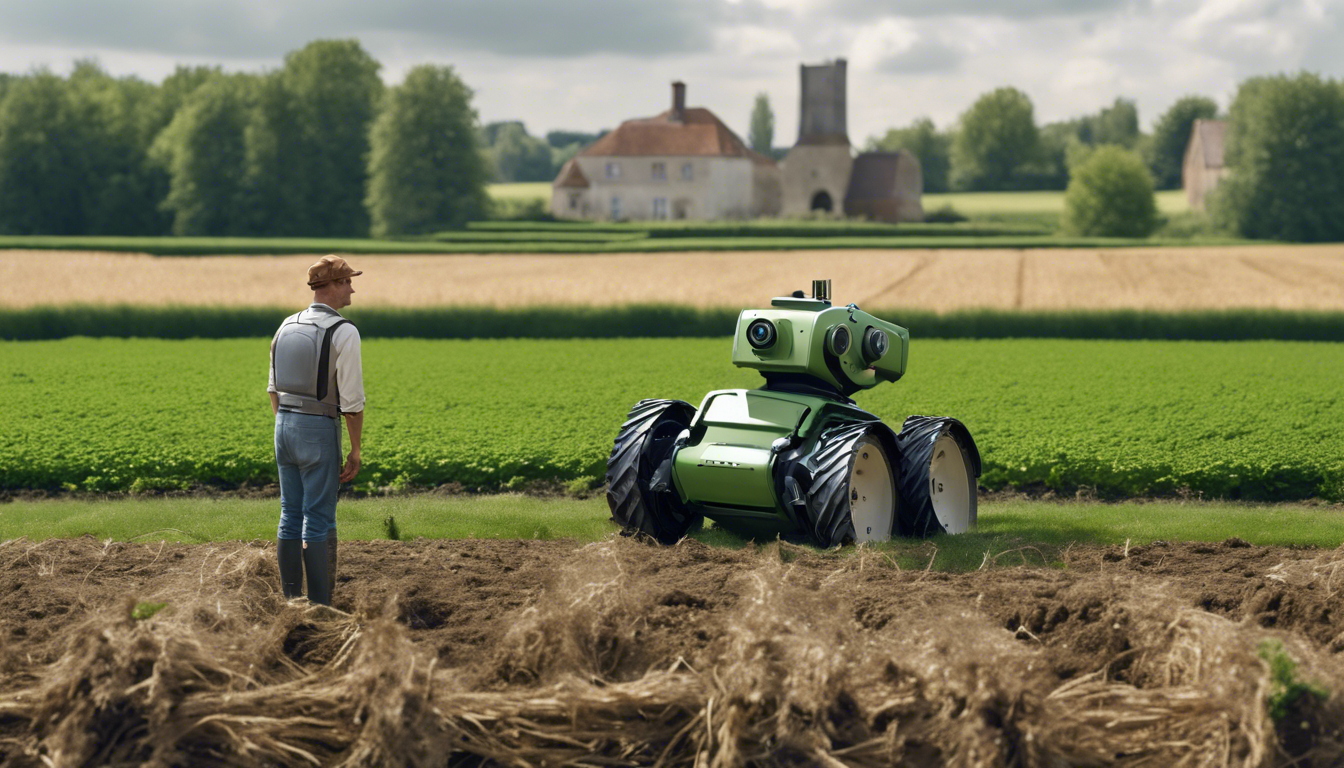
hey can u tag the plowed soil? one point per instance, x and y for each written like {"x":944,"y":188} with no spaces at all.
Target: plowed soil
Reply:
{"x":624,"y":653}
{"x":1294,"y":277}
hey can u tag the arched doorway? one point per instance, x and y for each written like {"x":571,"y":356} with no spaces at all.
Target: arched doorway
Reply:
{"x":822,"y":201}
{"x":681,"y":208}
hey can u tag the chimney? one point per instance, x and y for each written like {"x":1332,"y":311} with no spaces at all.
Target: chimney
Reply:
{"x":679,"y":101}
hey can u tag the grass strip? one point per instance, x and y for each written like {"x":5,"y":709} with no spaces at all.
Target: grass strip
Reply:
{"x":1010,"y":532}
{"x":661,"y":321}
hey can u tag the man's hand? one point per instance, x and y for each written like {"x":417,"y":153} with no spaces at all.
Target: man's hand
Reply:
{"x":351,"y":467}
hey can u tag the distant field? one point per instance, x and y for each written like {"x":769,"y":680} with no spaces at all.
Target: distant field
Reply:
{"x":527,"y":190}
{"x":1254,"y":420}
{"x":1307,"y":277}
{"x":971,"y":204}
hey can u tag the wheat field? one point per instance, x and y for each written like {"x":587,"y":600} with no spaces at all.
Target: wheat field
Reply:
{"x":1258,"y":276}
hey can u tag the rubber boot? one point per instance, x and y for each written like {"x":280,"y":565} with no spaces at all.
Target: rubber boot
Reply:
{"x":317,"y":566}
{"x":290,"y":554}
{"x":331,"y":564}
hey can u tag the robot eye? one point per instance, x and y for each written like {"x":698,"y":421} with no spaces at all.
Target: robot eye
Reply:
{"x":875,"y":344}
{"x":761,"y":334}
{"x":838,"y":340}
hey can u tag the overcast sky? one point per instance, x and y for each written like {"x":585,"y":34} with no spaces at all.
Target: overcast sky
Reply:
{"x":588,"y":64}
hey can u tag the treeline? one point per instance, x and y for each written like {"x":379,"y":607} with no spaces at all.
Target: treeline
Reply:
{"x":516,"y":155}
{"x":1283,"y":158}
{"x":996,"y":145}
{"x":317,"y":148}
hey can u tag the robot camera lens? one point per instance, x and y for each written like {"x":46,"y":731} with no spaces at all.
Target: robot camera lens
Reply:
{"x":761,"y":334}
{"x":838,"y":340}
{"x":875,"y":344}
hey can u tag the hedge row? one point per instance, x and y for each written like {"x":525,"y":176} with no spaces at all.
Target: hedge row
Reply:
{"x":649,"y":321}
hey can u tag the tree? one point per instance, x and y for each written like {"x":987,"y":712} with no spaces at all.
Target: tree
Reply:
{"x":1116,"y":124}
{"x":563,"y":139}
{"x":1284,"y":153}
{"x":1110,"y":194}
{"x":44,"y":170}
{"x":997,"y":137}
{"x":203,"y":150}
{"x":520,"y":157}
{"x":923,"y":140}
{"x":762,"y":135}
{"x":425,"y":169}
{"x":308,"y":145}
{"x":1171,"y":136}
{"x":123,"y":187}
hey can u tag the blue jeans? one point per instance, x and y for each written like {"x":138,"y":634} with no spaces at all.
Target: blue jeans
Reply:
{"x":308,"y":452}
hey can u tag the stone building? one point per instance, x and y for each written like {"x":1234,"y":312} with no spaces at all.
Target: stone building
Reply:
{"x":686,"y":164}
{"x":682,"y":164}
{"x":821,"y":173}
{"x":1203,"y":166}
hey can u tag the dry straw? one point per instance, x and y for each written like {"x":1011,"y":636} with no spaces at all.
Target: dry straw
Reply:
{"x":231,"y":674}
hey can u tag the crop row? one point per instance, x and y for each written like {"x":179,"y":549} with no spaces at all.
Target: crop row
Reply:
{"x":666,"y":321}
{"x":1255,"y":420}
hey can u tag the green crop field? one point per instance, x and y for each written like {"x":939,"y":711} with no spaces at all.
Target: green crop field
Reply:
{"x":1256,"y":420}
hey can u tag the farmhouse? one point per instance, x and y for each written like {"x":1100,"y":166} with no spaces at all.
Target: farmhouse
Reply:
{"x":1203,"y":165}
{"x":683,"y":164}
{"x":686,"y":164}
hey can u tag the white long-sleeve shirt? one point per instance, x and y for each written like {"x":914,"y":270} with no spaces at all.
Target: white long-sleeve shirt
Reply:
{"x":349,"y":366}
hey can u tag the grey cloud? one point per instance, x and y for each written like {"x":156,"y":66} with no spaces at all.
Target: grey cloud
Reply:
{"x":924,"y":57}
{"x":260,"y":28}
{"x":1010,"y":9}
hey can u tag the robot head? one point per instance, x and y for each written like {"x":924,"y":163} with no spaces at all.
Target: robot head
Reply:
{"x":800,"y":338}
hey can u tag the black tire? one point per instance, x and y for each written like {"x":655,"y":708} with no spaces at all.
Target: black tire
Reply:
{"x":828,"y":509}
{"x":644,"y":442}
{"x":916,"y":442}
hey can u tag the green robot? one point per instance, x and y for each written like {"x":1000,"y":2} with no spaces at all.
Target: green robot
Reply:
{"x":797,"y":456}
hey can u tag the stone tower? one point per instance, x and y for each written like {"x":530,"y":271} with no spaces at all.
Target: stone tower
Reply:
{"x":815,"y":173}
{"x":821,"y":118}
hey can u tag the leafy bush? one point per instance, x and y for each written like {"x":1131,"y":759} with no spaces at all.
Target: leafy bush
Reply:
{"x":519,"y":209}
{"x":1285,"y":161}
{"x":1110,"y":195}
{"x":655,"y":321}
{"x":944,"y":215}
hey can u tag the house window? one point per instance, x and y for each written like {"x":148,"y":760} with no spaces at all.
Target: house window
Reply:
{"x":687,"y":171}
{"x":613,"y":170}
{"x":660,"y":207}
{"x":615,"y":208}
{"x":660,"y":171}
{"x":573,"y":201}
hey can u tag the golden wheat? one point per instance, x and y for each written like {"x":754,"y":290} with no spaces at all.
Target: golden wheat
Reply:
{"x":1278,"y":276}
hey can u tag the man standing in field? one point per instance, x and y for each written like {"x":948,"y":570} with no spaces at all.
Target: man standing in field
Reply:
{"x":315,"y":377}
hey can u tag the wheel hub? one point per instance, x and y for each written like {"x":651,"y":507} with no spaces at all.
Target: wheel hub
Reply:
{"x":872,"y":492}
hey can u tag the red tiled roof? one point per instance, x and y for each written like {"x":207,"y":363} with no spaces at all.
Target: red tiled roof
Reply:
{"x":571,"y":176}
{"x":699,"y":133}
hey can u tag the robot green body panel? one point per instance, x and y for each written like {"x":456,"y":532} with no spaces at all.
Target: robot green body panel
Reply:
{"x":797,"y":456}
